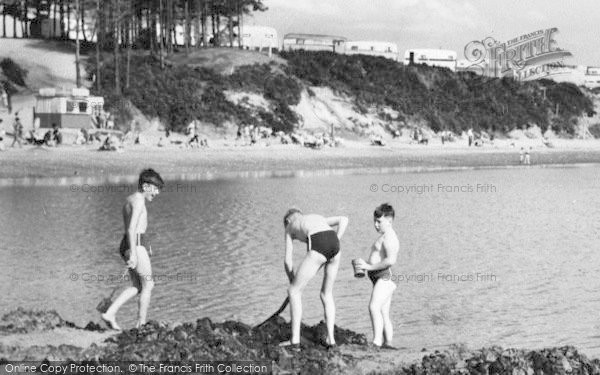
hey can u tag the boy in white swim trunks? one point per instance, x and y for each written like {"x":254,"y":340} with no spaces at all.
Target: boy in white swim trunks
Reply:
{"x":384,"y":253}
{"x":135,"y":218}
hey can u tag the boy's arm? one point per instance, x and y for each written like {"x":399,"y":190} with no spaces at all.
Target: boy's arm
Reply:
{"x":137,"y":206}
{"x":289,"y":259}
{"x":340,"y":221}
{"x":392,"y":247}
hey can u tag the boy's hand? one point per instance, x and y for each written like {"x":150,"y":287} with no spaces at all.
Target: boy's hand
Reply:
{"x":362,"y":264}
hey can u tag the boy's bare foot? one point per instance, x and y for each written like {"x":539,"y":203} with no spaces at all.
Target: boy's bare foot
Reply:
{"x":110,"y":322}
{"x":328,"y":345}
{"x":292,"y":347}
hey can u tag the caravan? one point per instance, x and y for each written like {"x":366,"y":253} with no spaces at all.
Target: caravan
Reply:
{"x":259,"y":38}
{"x":314,"y":42}
{"x":431,"y":57}
{"x":373,"y":48}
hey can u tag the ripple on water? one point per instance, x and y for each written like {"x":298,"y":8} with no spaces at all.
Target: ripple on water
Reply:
{"x":219,"y":250}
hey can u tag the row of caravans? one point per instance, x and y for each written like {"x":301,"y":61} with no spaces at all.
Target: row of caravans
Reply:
{"x":265,"y":39}
{"x":338,"y":44}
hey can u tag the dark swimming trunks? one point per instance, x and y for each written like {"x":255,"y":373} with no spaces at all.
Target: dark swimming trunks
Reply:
{"x":124,"y":246}
{"x":325,"y":243}
{"x":385,"y":274}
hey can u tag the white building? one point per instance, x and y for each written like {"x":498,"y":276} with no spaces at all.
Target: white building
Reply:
{"x":259,"y":38}
{"x":432,"y":57}
{"x":372,"y":48}
{"x":314,"y":42}
{"x":588,"y":76}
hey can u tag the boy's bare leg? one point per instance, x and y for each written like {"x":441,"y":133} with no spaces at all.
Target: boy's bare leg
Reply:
{"x":382,"y":291}
{"x":331,"y":269}
{"x":110,"y":315}
{"x":307,"y":270}
{"x":388,"y":328}
{"x":144,"y":269}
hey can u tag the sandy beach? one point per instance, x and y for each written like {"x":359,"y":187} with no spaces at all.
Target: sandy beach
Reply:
{"x":223,"y":159}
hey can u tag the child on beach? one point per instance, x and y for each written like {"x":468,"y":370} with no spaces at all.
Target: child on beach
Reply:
{"x":384,"y":253}
{"x":17,"y":133}
{"x":134,"y":250}
{"x":521,"y":155}
{"x":323,"y":250}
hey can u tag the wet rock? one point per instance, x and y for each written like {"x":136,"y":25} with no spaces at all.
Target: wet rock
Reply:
{"x":23,"y":321}
{"x":95,"y":327}
{"x":236,"y":328}
{"x":438,"y":363}
{"x":231,"y":340}
{"x":204,"y":325}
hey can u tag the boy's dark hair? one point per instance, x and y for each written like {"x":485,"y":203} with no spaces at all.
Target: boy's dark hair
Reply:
{"x":150,"y":176}
{"x":289,"y":213}
{"x":384,"y":209}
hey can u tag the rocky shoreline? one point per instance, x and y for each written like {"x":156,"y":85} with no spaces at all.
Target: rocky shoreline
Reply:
{"x":205,"y":340}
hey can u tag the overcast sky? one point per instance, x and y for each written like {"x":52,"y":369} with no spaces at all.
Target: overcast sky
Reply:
{"x":447,"y":24}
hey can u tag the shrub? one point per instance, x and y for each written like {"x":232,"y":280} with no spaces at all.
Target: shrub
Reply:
{"x":179,"y":94}
{"x":595,"y":130}
{"x":13,"y":72}
{"x":446,"y":100}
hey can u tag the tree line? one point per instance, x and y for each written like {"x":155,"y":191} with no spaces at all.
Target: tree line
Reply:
{"x":114,"y":25}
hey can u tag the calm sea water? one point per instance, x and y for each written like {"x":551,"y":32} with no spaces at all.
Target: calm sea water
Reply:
{"x":515,"y":263}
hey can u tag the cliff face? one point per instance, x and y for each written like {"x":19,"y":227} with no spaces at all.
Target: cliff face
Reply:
{"x":361,"y":95}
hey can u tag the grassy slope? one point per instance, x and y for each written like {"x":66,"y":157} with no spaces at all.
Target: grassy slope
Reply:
{"x":48,"y":64}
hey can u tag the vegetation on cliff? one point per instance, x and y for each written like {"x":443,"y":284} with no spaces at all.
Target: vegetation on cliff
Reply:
{"x":11,"y":75}
{"x":445,"y":100}
{"x":179,"y":94}
{"x":423,"y":95}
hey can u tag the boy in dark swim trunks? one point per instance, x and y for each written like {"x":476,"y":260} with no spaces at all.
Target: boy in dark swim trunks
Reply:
{"x":323,"y":249}
{"x":384,"y":253}
{"x":135,"y":218}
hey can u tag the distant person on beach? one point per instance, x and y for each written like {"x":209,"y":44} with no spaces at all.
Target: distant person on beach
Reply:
{"x":192,"y":132}
{"x":521,"y":155}
{"x":384,"y":253}
{"x":527,"y":156}
{"x":80,"y":139}
{"x":4,"y":97}
{"x":134,"y":248}
{"x":101,"y":119}
{"x":323,"y":246}
{"x":2,"y":135}
{"x":56,"y":134}
{"x":110,"y":122}
{"x":470,"y":136}
{"x":17,"y":133}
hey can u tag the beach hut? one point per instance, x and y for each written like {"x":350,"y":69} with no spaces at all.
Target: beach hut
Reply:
{"x":73,"y":108}
{"x":372,"y":48}
{"x":432,"y":57}
{"x":314,"y":42}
